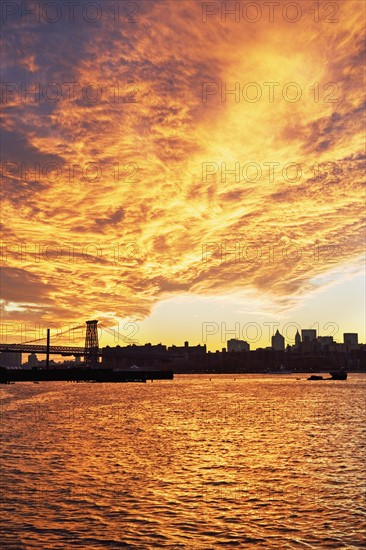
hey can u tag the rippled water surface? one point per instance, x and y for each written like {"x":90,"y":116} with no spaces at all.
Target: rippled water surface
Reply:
{"x":197,"y":463}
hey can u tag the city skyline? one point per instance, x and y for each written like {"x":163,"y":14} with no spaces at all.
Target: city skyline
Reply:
{"x":350,"y":341}
{"x":311,"y":352}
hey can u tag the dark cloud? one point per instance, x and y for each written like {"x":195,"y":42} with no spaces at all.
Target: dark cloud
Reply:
{"x":23,"y":168}
{"x":21,"y":286}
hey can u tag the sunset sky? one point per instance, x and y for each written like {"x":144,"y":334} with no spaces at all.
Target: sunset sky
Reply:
{"x":132,"y":219}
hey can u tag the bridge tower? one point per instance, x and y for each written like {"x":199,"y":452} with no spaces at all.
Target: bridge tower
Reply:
{"x":91,"y":344}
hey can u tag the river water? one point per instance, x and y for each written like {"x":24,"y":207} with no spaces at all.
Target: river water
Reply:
{"x":200,"y":462}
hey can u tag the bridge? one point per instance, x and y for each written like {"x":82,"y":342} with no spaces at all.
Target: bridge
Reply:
{"x":135,"y":351}
{"x":91,"y":350}
{"x":52,"y":350}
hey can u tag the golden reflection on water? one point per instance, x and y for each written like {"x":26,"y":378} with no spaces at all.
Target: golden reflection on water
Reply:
{"x":255,"y":462}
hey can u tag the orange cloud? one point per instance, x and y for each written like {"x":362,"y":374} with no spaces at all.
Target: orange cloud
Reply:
{"x":114,"y":204}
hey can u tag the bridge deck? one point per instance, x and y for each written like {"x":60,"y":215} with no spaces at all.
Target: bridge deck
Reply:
{"x":55,"y":350}
{"x":132,"y":352}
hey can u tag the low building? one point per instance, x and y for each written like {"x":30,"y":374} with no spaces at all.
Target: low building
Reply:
{"x":32,"y":360}
{"x":10,"y":359}
{"x":326,"y":343}
{"x":237,"y":345}
{"x":127,"y":356}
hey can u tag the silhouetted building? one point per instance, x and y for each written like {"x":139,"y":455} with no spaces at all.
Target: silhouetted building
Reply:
{"x":10,"y":359}
{"x":187,"y":352}
{"x":188,"y":349}
{"x":237,"y":345}
{"x":127,"y":356}
{"x":297,"y":339}
{"x":326,"y":343}
{"x":308,"y":335}
{"x":43,"y":363}
{"x":350,"y":340}
{"x":325,"y":340}
{"x":278,"y":342}
{"x":32,"y":360}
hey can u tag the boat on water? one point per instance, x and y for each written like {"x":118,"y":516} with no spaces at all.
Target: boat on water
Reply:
{"x":334,"y":375}
{"x":338,"y":375}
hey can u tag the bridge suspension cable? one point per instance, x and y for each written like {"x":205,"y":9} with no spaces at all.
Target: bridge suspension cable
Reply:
{"x":45,"y":337}
{"x":112,"y":332}
{"x":115,"y":333}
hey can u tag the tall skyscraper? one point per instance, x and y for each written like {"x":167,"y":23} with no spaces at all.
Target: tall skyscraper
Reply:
{"x":297,"y":339}
{"x":278,"y":341}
